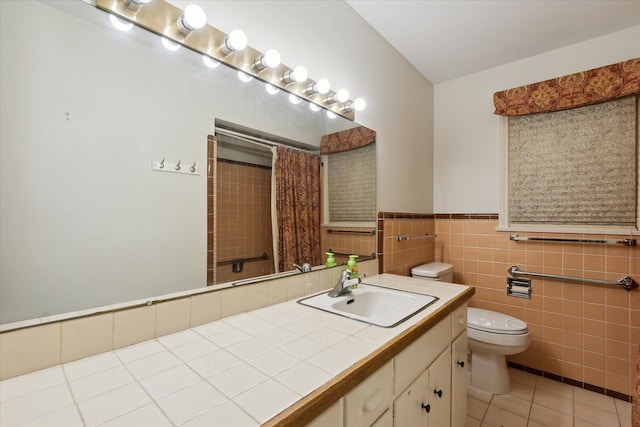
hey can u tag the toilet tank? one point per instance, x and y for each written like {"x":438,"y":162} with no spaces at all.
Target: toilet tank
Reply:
{"x":434,"y":271}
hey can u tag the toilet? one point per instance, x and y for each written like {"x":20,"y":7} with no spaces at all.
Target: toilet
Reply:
{"x":491,"y":337}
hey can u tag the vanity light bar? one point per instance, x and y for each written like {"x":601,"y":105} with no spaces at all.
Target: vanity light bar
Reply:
{"x":161,"y":17}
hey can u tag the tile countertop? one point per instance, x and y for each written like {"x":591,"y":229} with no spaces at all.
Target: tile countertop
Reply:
{"x":219,"y":373}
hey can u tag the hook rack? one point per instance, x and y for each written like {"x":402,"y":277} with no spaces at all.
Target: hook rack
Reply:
{"x":164,"y":165}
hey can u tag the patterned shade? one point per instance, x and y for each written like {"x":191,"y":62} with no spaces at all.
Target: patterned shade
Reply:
{"x":347,"y":140}
{"x":574,"y":167}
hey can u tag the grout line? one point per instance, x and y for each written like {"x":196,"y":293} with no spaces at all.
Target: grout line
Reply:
{"x":618,"y":414}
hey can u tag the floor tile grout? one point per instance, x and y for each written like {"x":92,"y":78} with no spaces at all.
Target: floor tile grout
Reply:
{"x":559,"y":408}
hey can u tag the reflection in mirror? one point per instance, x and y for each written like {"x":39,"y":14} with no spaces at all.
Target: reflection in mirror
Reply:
{"x":268,"y":197}
{"x":85,"y":220}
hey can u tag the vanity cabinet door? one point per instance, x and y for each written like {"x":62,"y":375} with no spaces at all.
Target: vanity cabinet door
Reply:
{"x":427,"y":401}
{"x":459,"y":381}
{"x":416,"y":357}
{"x":440,"y":390}
{"x":386,"y":420}
{"x":412,"y":406}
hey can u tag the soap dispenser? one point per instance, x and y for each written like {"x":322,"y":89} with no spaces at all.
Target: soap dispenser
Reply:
{"x":352,"y":266}
{"x":331,"y":261}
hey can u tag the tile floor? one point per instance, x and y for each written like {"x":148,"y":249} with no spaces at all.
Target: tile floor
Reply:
{"x":535,"y":401}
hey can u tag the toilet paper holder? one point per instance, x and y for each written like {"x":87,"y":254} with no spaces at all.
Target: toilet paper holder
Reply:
{"x":519,"y":287}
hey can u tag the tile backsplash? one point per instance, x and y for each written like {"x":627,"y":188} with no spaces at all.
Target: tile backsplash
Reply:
{"x":28,"y":349}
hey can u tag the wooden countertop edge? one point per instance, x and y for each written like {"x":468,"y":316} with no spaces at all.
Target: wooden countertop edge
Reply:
{"x":313,"y":404}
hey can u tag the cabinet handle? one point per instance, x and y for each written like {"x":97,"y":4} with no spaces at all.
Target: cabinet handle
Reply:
{"x":461,"y":363}
{"x":426,"y":407}
{"x":374,"y":401}
{"x":438,"y":392}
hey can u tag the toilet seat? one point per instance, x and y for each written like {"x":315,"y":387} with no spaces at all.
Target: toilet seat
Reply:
{"x":495,"y":323}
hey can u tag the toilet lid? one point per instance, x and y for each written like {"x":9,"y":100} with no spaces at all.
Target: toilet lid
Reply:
{"x":491,"y":321}
{"x":432,"y":269}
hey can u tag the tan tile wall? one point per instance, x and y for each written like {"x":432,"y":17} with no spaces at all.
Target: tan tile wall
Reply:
{"x":587,"y":333}
{"x":243,"y":220}
{"x":399,"y":257}
{"x":362,"y":244}
{"x":38,"y":347}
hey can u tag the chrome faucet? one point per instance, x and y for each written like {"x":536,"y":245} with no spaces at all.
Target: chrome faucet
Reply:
{"x":344,"y":284}
{"x":304,"y":268}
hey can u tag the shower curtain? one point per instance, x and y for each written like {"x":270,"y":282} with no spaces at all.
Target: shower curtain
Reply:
{"x":296,"y":208}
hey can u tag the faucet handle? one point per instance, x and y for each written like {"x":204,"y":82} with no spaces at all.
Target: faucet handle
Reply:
{"x":351,"y":282}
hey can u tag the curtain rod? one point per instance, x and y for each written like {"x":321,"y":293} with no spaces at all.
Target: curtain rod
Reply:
{"x":258,"y":141}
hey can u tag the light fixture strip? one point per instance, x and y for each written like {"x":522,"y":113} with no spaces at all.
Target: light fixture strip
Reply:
{"x":160,"y":17}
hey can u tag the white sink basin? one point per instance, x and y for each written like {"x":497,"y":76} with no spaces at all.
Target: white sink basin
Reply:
{"x":373,"y":304}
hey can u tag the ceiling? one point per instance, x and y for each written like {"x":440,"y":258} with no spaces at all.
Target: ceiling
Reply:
{"x":447,"y":39}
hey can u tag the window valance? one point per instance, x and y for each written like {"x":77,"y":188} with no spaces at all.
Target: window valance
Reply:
{"x":574,"y":90}
{"x":347,"y":140}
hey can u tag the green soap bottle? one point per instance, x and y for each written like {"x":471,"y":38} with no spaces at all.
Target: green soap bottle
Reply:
{"x":331,"y":261}
{"x":351,"y":265}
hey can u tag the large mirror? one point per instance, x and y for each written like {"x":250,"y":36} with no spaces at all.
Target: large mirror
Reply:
{"x":85,"y":111}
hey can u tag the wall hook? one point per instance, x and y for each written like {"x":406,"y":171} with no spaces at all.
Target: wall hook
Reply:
{"x":163,"y":165}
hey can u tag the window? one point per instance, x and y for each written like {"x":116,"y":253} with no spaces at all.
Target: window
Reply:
{"x":573,"y":170}
{"x":352,"y":185}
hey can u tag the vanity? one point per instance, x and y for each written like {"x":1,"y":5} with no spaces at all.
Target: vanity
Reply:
{"x":417,"y":378}
{"x":284,"y":364}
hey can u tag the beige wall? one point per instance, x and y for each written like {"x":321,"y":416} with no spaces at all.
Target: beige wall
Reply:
{"x":399,"y":98}
{"x":467,"y":133}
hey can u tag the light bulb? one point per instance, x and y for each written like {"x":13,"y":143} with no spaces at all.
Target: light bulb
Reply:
{"x":331,"y":114}
{"x":271,"y":89}
{"x":270,"y":59}
{"x":169,"y":45}
{"x":244,"y":76}
{"x":294,"y":99}
{"x":236,"y":40}
{"x":120,"y":24}
{"x":359,"y":104}
{"x":321,"y":86}
{"x":210,"y":62}
{"x":314,"y":107}
{"x":135,"y":4}
{"x":342,"y":95}
{"x":193,"y":18}
{"x":298,"y":75}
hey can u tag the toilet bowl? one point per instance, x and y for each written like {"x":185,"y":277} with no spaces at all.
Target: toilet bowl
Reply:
{"x":491,"y":337}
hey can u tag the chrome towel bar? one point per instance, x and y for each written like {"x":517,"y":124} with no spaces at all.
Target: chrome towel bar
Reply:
{"x":416,"y":236}
{"x":628,"y":283}
{"x":332,"y":230}
{"x":255,"y":258}
{"x":361,"y":257}
{"x":626,"y":242}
